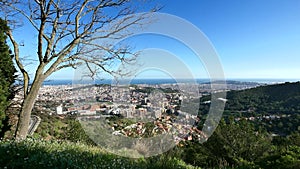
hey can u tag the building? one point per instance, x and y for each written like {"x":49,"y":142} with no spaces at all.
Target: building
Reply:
{"x":59,"y":110}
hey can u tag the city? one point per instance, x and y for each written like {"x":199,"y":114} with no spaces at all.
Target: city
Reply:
{"x":166,"y":106}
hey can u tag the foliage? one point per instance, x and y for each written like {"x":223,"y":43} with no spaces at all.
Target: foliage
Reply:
{"x":33,"y":153}
{"x":283,"y":98}
{"x":283,"y":126}
{"x":54,"y":127}
{"x":7,"y":71}
{"x":265,"y":100}
{"x":51,"y":127}
{"x":274,"y":107}
{"x":233,"y":144}
{"x":288,"y":157}
{"x":75,"y":133}
{"x":151,"y":89}
{"x":237,"y":144}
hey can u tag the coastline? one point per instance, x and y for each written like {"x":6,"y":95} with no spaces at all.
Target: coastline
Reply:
{"x":170,"y":81}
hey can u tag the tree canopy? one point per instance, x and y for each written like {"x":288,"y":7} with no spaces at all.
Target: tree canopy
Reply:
{"x":7,"y":71}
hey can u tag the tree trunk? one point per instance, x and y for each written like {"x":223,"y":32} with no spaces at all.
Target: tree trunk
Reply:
{"x":27,"y":106}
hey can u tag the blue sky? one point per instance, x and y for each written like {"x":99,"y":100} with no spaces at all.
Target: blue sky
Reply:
{"x":253,"y":38}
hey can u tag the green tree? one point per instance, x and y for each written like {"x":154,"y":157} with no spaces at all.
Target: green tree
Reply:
{"x":7,"y":71}
{"x":76,"y":133}
{"x":285,"y":158}
{"x":232,"y":144}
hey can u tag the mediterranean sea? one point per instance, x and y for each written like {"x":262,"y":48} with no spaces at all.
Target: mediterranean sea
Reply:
{"x":168,"y":81}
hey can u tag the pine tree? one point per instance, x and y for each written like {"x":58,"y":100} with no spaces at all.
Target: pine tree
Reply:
{"x":7,"y":71}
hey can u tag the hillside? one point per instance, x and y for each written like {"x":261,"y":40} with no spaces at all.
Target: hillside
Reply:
{"x":36,"y":153}
{"x":273,"y":107}
{"x":270,"y":99}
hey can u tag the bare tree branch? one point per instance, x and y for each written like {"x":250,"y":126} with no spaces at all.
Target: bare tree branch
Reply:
{"x":18,"y":61}
{"x":69,"y":35}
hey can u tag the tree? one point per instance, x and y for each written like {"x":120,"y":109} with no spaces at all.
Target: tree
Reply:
{"x":76,"y":133}
{"x":232,"y":144}
{"x":7,"y":71}
{"x":67,"y":36}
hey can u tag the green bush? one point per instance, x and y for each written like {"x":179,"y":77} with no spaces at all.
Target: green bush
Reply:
{"x":285,"y":158}
{"x":33,"y":153}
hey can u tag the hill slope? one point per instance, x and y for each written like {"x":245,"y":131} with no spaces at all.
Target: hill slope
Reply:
{"x":279,"y":98}
{"x":33,"y":154}
{"x":270,"y":99}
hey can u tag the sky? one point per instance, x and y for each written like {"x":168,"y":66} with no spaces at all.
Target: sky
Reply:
{"x":253,"y":38}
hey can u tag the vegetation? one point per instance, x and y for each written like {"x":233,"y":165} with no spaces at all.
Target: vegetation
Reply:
{"x":238,"y":145}
{"x":7,"y":71}
{"x":238,"y":141}
{"x":32,"y":153}
{"x":270,"y":99}
{"x":151,"y":89}
{"x":233,"y":145}
{"x":260,"y":128}
{"x":274,"y":107}
{"x":54,"y":127}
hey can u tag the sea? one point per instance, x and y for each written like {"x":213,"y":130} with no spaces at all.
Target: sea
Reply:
{"x":166,"y":81}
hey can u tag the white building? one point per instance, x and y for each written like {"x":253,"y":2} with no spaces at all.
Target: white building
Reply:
{"x":59,"y":110}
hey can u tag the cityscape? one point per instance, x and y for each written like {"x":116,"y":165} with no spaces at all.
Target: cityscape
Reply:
{"x":126,"y":84}
{"x":160,"y":104}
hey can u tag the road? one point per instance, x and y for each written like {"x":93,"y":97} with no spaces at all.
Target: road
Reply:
{"x":33,"y":124}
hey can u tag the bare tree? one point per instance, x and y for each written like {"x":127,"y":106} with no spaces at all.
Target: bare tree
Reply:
{"x":67,"y":36}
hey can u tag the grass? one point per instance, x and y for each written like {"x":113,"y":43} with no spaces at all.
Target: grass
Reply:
{"x":34,"y":153}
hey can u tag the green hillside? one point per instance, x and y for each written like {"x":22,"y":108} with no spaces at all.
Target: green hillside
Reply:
{"x":36,"y":154}
{"x":279,"y":98}
{"x":270,"y":99}
{"x":273,"y":107}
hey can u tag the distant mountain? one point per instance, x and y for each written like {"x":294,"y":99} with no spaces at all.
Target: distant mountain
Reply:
{"x":232,"y":82}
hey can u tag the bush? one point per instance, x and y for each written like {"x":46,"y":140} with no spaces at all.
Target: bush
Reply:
{"x":286,"y":158}
{"x":33,"y":153}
